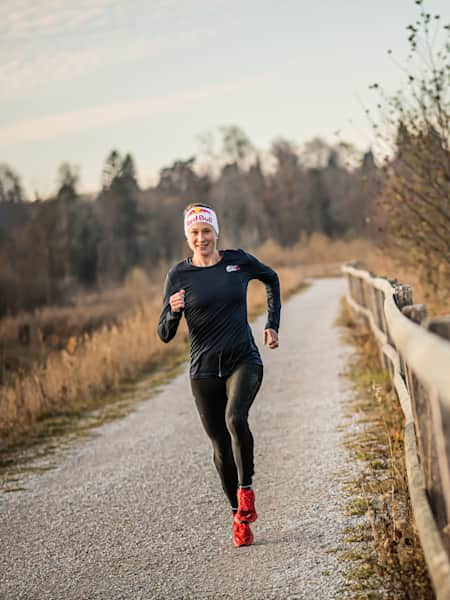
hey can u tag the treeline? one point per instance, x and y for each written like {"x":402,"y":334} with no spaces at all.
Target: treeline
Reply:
{"x":49,"y":248}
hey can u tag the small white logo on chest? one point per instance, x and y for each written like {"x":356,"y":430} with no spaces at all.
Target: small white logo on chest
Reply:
{"x":232,"y":268}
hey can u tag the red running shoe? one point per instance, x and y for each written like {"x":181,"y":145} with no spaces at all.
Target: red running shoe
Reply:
{"x":246,"y":509}
{"x":242,"y":534}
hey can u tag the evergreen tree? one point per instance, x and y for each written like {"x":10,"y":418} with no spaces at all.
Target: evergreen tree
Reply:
{"x":10,"y":185}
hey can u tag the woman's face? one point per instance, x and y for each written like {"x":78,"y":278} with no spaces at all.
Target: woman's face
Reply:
{"x":202,"y":238}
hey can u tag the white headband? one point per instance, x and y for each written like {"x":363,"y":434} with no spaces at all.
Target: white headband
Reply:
{"x":200,"y":214}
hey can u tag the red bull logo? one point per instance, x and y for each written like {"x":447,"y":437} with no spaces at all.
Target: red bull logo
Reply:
{"x":199,"y":209}
{"x":199,"y":214}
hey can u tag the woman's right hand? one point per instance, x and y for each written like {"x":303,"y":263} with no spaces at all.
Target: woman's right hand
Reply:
{"x":176,"y":301}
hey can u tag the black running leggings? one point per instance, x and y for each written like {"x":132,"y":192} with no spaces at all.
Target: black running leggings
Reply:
{"x":223,"y":404}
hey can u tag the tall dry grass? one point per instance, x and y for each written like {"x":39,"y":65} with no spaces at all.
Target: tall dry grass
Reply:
{"x":316,"y":254}
{"x":98,"y":362}
{"x":90,"y":364}
{"x":385,"y":550}
{"x":388,"y":265}
{"x":123,"y":340}
{"x":51,"y":326}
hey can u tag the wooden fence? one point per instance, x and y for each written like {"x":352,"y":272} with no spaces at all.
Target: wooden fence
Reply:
{"x":416,"y":350}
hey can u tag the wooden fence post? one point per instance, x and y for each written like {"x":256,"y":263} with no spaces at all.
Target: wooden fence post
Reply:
{"x":383,"y":323}
{"x":421,"y":409}
{"x":403,"y":296}
{"x":377,"y":310}
{"x":440,"y":412}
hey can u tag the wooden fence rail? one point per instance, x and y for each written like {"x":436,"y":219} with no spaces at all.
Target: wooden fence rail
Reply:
{"x":416,"y":350}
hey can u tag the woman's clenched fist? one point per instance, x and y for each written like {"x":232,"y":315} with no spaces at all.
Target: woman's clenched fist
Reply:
{"x":176,"y":301}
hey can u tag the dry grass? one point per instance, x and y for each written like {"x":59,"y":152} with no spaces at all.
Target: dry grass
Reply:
{"x":57,"y":358}
{"x":98,"y":362}
{"x":317,"y":255}
{"x":27,"y":338}
{"x":438,"y":302}
{"x":385,"y":546}
{"x":92,"y":363}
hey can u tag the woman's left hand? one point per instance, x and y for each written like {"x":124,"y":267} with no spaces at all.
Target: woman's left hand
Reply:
{"x":271,"y":338}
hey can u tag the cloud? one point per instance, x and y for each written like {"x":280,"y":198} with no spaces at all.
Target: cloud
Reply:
{"x":67,"y":123}
{"x":49,"y":17}
{"x":51,"y":41}
{"x":21,"y":75}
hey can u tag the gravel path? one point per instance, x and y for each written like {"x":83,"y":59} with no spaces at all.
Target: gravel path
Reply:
{"x":138,"y":511}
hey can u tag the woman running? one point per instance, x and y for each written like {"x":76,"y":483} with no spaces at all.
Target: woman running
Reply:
{"x":226,"y":369}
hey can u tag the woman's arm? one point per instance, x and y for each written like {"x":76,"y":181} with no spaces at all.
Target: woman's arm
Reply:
{"x":269,"y":277}
{"x":169,"y":320}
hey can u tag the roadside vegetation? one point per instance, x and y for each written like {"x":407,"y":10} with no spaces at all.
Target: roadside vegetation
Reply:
{"x":412,"y":133}
{"x":82,"y":366}
{"x":382,"y":544}
{"x":60,"y":359}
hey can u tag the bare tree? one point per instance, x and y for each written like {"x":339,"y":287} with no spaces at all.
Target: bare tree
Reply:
{"x":236,"y":145}
{"x":414,"y":130}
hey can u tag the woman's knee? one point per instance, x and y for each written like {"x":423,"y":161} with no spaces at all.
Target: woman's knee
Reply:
{"x":236,"y":422}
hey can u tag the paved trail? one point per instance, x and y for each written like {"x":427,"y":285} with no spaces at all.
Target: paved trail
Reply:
{"x":138,"y":511}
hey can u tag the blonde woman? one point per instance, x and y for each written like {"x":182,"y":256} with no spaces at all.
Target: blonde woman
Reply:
{"x":226,"y":369}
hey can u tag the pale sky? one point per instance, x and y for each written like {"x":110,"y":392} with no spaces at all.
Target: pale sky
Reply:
{"x":78,"y":79}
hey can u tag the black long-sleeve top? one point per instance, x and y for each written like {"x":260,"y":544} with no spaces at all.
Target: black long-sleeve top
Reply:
{"x":215,"y":308}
